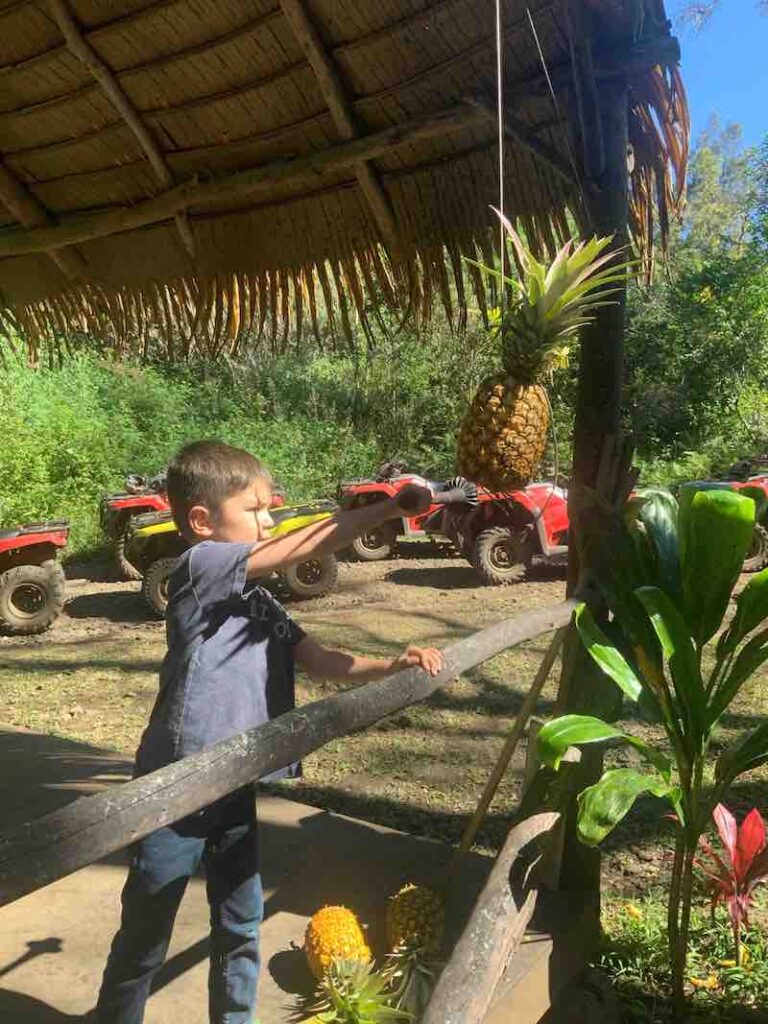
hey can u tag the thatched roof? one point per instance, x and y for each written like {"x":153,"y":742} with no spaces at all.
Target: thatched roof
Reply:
{"x":208,"y":165}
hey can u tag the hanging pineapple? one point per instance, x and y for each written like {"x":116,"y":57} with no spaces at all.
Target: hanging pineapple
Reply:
{"x":352,"y":992}
{"x":414,"y":924}
{"x":334,"y":933}
{"x":503,"y":436}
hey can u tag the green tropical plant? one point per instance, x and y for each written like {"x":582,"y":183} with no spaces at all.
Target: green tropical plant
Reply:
{"x":667,"y":573}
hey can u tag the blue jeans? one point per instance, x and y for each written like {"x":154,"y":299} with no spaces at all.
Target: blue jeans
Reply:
{"x":223,"y":838}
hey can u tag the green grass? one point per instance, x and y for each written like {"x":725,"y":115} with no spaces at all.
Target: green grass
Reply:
{"x":634,"y":954}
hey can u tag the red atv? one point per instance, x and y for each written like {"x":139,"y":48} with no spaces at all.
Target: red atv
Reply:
{"x":750,"y":476}
{"x":499,"y":534}
{"x":31,"y":579}
{"x":141,"y":495}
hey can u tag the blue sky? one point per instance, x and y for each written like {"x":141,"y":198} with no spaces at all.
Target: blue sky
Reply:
{"x":725,"y":67}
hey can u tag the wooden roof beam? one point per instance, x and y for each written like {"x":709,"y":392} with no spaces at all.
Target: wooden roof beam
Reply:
{"x":524,"y":135}
{"x":30,"y":212}
{"x":340,"y":107}
{"x":240,"y":185}
{"x":80,"y":48}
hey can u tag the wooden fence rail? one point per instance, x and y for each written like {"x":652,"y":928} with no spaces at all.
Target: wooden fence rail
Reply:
{"x":40,"y":851}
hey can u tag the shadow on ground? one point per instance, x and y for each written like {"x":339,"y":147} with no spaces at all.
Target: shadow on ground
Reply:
{"x":40,"y":773}
{"x":113,"y":605}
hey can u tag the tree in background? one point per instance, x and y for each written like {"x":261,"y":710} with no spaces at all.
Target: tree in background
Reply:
{"x":697,"y":342}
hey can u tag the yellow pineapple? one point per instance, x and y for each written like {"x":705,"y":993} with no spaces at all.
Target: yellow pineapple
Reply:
{"x":334,"y":933}
{"x":504,"y":433}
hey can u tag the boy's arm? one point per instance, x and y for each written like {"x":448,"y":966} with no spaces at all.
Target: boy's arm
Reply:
{"x":337,"y":532}
{"x":323,"y":663}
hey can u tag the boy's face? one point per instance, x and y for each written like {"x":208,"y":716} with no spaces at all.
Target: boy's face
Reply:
{"x":243,"y":518}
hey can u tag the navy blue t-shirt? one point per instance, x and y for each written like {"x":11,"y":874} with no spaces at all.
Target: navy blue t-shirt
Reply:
{"x":230,"y":660}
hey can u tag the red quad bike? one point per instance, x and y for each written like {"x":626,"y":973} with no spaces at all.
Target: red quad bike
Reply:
{"x":31,"y":579}
{"x":499,"y":534}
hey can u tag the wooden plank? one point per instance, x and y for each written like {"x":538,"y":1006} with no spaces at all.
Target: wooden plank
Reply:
{"x":62,"y":842}
{"x":495,"y":929}
{"x":242,"y":184}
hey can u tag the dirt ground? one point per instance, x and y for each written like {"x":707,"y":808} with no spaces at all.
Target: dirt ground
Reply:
{"x":93,"y":678}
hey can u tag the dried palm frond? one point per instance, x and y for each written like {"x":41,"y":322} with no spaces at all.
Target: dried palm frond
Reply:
{"x":659,"y":138}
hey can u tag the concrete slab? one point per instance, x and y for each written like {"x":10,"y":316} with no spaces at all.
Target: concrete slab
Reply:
{"x":53,"y":943}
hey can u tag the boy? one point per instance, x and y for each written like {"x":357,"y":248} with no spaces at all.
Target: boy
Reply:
{"x":229,"y":667}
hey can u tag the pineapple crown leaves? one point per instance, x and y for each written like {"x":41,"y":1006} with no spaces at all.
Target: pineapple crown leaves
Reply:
{"x":352,"y":992}
{"x":557,"y":299}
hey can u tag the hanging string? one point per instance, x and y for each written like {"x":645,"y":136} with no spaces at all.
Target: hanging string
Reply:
{"x":500,"y":112}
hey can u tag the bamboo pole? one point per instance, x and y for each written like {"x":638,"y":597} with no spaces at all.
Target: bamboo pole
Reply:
{"x":329,"y":81}
{"x":107,"y":81}
{"x":507,"y":753}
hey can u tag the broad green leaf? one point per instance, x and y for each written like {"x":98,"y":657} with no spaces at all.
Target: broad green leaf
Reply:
{"x":679,"y":652}
{"x":658,"y":512}
{"x":604,"y":805}
{"x":715,"y":530}
{"x":748,"y":661}
{"x":747,"y":753}
{"x":571,"y":731}
{"x":751,"y":611}
{"x":606,"y":654}
{"x":757,"y":494}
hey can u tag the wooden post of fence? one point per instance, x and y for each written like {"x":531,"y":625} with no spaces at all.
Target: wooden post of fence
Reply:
{"x":494,"y":931}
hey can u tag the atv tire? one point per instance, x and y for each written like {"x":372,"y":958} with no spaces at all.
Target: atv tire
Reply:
{"x":375,"y":545}
{"x":501,"y":556}
{"x":127,"y":570}
{"x":154,"y":587}
{"x":314,"y":578}
{"x":31,"y":598}
{"x":757,"y":555}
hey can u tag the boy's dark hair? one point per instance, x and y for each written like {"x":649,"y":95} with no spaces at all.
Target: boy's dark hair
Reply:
{"x":207,"y":473}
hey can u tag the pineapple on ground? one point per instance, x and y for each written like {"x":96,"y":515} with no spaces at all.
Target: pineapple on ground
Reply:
{"x":415,"y":917}
{"x":503,"y":436}
{"x":414,"y":923}
{"x":334,"y":933}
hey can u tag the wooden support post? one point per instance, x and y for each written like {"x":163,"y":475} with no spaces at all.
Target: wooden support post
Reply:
{"x":494,"y":931}
{"x":583,"y":688}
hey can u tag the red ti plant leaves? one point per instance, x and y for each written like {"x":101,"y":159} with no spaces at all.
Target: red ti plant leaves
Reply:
{"x":734,"y":877}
